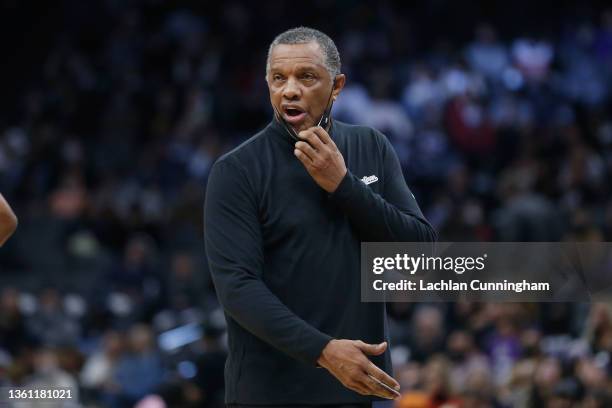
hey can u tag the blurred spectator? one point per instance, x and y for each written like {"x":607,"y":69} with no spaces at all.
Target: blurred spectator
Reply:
{"x":134,"y":280}
{"x":525,"y":215}
{"x":437,"y":392}
{"x":533,"y":58}
{"x":470,"y":371}
{"x":486,"y":54}
{"x":50,"y":324}
{"x":183,"y":285}
{"x":13,"y":333}
{"x":48,"y":375}
{"x":138,"y":371}
{"x":426,"y":334}
{"x":99,"y":369}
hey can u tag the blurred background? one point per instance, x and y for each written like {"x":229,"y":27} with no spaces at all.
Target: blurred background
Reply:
{"x":112,"y":112}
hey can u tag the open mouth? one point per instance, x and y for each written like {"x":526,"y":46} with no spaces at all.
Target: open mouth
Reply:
{"x":293,"y":115}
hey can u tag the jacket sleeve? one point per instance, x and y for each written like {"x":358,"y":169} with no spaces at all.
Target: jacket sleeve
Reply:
{"x":392,"y":216}
{"x":234,"y":248}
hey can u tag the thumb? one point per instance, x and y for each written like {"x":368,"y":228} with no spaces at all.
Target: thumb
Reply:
{"x":372,"y":349}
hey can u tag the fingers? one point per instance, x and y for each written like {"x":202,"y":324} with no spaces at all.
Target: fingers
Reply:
{"x":372,"y":349}
{"x":377,"y":388}
{"x":308,"y":150}
{"x":303,"y":157}
{"x":369,"y":387}
{"x":323,"y":135}
{"x":317,"y":135}
{"x":313,"y":138}
{"x":382,"y":376}
{"x":318,"y":159}
{"x":358,"y":386}
{"x":366,"y":385}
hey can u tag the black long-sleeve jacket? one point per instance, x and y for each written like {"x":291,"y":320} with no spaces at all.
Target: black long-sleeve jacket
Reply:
{"x":284,"y":256}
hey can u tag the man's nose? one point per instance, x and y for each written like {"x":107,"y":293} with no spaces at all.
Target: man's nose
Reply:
{"x":291,"y":90}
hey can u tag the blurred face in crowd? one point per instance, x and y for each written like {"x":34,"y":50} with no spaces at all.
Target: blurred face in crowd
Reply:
{"x":140,"y":338}
{"x":9,"y":302}
{"x":113,"y":344}
{"x":459,"y":345}
{"x":49,"y":300}
{"x":135,"y":252}
{"x":299,"y":83}
{"x":436,"y":376}
{"x":182,"y":267}
{"x":45,"y":361}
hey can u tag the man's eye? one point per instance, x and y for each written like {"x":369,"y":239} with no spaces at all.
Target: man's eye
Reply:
{"x":277,"y":77}
{"x":308,"y":77}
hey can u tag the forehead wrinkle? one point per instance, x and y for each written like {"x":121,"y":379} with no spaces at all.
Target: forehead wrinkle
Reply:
{"x":295,"y":65}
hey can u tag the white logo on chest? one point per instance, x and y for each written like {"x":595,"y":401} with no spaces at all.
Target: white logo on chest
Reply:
{"x":369,"y":179}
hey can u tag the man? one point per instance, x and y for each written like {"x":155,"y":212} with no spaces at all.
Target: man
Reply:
{"x":8,"y":221}
{"x":285,"y":214}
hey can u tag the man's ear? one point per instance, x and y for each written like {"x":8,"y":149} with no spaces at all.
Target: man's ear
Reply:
{"x":338,"y":85}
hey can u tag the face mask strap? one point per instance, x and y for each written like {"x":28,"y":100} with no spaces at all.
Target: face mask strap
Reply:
{"x":324,"y":121}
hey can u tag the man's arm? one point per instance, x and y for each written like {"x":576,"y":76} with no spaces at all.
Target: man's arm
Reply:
{"x":235,"y":253}
{"x":394,"y":217}
{"x":8,"y":221}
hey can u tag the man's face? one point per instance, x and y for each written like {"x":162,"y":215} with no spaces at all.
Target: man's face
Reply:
{"x":299,"y":83}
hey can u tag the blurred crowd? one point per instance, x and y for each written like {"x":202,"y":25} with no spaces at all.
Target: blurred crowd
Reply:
{"x":114,"y":111}
{"x":551,"y":355}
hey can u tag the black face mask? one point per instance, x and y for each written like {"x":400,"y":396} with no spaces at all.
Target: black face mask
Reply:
{"x":323,"y":122}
